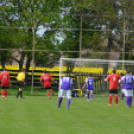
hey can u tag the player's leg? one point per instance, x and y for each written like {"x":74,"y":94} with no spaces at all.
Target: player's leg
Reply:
{"x":129,"y":97}
{"x":3,"y":92}
{"x":48,"y":92}
{"x":122,"y":94}
{"x":6,"y":92}
{"x":68,"y":92}
{"x":61,"y":94}
{"x":20,"y":92}
{"x":110,"y":97}
{"x":91,"y":94}
{"x":87,"y":95}
{"x":116,"y":97}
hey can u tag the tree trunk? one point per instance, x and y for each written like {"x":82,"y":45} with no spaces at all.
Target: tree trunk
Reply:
{"x":21,"y":60}
{"x":27,"y":69}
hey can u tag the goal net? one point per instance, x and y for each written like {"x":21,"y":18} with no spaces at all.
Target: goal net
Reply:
{"x":79,"y":70}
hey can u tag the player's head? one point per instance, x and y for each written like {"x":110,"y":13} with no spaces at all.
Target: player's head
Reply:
{"x":22,"y":70}
{"x":114,"y":71}
{"x":4,"y":69}
{"x":45,"y":71}
{"x":90,"y":75}
{"x":122,"y":74}
{"x":128,"y":72}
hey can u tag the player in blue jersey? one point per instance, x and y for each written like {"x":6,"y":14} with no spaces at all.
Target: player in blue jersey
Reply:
{"x":65,"y":90}
{"x":128,"y":79}
{"x":122,"y":85}
{"x":89,"y":82}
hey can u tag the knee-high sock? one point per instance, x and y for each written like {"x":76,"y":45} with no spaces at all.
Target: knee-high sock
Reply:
{"x":59,"y":102}
{"x":21,"y":93}
{"x":110,"y":99}
{"x":6,"y":93}
{"x":88,"y":95}
{"x":68,"y":103}
{"x":91,"y":96}
{"x":122,"y":96}
{"x":116,"y":99}
{"x":131,"y":98}
{"x":3,"y":93}
{"x":127,"y":100}
{"x":48,"y":93}
{"x":18,"y":93}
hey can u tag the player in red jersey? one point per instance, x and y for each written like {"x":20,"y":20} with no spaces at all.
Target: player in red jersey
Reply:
{"x":5,"y":82}
{"x":45,"y":80}
{"x":113,"y":87}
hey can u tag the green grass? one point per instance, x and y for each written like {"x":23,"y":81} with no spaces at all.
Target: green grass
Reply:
{"x":39,"y":115}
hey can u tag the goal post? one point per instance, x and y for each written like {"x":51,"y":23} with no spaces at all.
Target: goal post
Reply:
{"x":79,"y":69}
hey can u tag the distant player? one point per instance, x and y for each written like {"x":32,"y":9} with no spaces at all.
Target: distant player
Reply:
{"x":113,"y":87}
{"x":122,"y":85}
{"x":5,"y":83}
{"x":128,"y":80}
{"x":65,"y":90}
{"x":21,"y":81}
{"x":45,"y":80}
{"x":89,"y":82}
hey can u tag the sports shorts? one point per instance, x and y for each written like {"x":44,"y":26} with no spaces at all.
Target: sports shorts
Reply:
{"x":113,"y":91}
{"x":47,"y":88}
{"x":21,"y":84}
{"x":4,"y":87}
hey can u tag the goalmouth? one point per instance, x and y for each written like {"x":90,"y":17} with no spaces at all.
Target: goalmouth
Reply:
{"x":79,"y":69}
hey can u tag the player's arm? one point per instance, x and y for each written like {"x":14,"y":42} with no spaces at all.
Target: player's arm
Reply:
{"x":53,"y":79}
{"x":84,"y":85}
{"x":41,"y":81}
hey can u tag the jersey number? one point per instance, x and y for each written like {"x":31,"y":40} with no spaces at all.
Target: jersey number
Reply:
{"x":5,"y":77}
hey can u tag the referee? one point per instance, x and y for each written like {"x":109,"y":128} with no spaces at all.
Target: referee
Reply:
{"x":21,"y":81}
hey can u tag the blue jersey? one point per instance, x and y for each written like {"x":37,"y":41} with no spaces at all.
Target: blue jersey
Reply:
{"x":90,"y":83}
{"x":66,"y":83}
{"x":128,"y":80}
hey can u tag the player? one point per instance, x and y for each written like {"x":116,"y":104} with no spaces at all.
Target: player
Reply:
{"x":90,"y":86}
{"x":128,"y":80}
{"x":45,"y":80}
{"x":113,"y":87}
{"x":21,"y":80}
{"x":65,"y":90}
{"x":5,"y":83}
{"x":122,"y":88}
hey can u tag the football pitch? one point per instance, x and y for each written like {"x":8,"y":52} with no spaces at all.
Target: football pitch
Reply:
{"x":39,"y":115}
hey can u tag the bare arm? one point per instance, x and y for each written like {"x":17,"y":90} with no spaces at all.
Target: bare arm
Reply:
{"x":84,"y":85}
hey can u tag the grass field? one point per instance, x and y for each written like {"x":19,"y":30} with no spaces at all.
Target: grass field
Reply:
{"x":39,"y":115}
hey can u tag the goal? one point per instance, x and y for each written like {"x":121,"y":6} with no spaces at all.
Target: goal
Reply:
{"x":79,"y":70}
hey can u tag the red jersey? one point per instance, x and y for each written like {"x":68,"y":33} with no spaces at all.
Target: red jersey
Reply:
{"x":5,"y":78}
{"x":47,"y":79}
{"x":113,"y":79}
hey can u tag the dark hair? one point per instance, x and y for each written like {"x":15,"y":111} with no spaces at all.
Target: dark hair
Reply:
{"x":22,"y":70}
{"x":122,"y":74}
{"x":4,"y":69}
{"x":128,"y":71}
{"x":90,"y":74}
{"x":114,"y":71}
{"x":45,"y":71}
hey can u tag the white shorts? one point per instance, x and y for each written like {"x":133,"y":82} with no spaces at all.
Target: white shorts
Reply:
{"x":123,"y":90}
{"x":91,"y":91}
{"x":128,"y":92}
{"x":64,"y":93}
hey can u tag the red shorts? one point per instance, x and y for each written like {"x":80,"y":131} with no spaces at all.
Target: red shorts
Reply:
{"x":4,"y":84}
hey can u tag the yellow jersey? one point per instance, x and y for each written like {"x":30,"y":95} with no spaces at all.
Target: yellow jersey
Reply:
{"x":21,"y":76}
